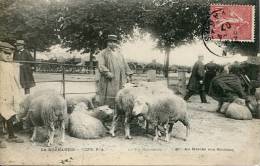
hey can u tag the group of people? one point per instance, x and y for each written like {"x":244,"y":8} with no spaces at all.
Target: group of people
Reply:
{"x":201,"y":76}
{"x":113,"y":73}
{"x":13,"y":77}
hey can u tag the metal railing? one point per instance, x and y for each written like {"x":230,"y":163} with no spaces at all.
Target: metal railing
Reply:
{"x":65,"y":69}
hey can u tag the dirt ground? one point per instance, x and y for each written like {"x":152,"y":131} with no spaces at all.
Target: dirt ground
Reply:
{"x":213,"y":140}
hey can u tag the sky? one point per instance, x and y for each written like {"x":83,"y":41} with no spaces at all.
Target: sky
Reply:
{"x":143,"y":50}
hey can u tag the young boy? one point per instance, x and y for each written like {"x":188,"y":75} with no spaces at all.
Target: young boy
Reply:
{"x":9,"y":91}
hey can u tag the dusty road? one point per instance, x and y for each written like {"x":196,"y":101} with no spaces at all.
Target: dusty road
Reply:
{"x":214,"y":140}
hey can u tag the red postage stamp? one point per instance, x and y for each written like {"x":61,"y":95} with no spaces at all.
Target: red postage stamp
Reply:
{"x":232,"y":23}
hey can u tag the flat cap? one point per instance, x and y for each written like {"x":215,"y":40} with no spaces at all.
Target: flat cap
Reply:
{"x":6,"y":45}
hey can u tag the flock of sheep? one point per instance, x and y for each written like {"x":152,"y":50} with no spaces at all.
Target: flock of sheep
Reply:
{"x":155,"y":106}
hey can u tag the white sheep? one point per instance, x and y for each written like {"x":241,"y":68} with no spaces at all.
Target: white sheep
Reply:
{"x":125,"y":99}
{"x":46,"y":109}
{"x":157,"y":105}
{"x":163,"y":110}
{"x":238,"y":110}
{"x":83,"y":125}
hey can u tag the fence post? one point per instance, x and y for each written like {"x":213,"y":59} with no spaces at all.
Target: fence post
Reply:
{"x":181,"y":85}
{"x":63,"y":81}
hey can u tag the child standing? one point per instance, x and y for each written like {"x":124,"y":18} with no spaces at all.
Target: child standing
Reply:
{"x":9,"y":91}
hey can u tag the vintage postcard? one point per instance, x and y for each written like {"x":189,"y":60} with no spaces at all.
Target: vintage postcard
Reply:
{"x":140,"y":82}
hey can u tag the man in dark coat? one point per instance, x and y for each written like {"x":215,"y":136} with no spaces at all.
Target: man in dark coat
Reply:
{"x":236,"y":68}
{"x":211,"y":71}
{"x":226,"y":88}
{"x":26,"y":71}
{"x":196,"y":84}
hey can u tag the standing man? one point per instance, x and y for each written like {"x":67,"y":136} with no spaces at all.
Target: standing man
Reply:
{"x":113,"y":72}
{"x":26,"y":71}
{"x":196,"y":84}
{"x":211,"y":71}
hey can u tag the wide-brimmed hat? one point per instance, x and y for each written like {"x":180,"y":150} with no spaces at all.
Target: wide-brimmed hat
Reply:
{"x":112,"y":38}
{"x":19,"y":42}
{"x":5,"y":45}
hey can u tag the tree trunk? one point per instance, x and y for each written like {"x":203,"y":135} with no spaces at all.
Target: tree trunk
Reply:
{"x":166,"y":69}
{"x":34,"y":59}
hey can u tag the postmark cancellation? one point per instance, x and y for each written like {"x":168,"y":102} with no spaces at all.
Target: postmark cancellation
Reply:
{"x":232,"y":22}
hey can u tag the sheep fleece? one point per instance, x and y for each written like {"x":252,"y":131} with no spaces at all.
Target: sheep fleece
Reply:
{"x":45,"y":110}
{"x":239,"y":112}
{"x":168,"y":106}
{"x":84,"y":126}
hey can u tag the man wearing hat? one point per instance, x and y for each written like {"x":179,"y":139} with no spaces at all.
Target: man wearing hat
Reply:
{"x":211,"y":71}
{"x":26,"y":71}
{"x":10,"y":96}
{"x":196,"y":83}
{"x":113,"y":72}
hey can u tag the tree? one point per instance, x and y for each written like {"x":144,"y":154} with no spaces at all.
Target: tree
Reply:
{"x":83,"y":25}
{"x":86,"y":23}
{"x":173,"y":23}
{"x":33,"y":21}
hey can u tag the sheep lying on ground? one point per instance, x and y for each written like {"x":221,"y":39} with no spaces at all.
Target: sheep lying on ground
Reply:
{"x":159,"y":106}
{"x":83,"y":125}
{"x":238,"y":110}
{"x":45,"y":109}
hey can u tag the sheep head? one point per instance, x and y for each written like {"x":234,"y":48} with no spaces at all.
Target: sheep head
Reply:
{"x":104,"y":113}
{"x":24,"y":108}
{"x":80,"y":107}
{"x":140,"y":107}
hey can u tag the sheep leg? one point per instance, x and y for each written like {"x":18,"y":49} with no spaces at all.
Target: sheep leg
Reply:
{"x":114,"y":124}
{"x":220,"y":103}
{"x":62,"y":130}
{"x":156,"y":134}
{"x":51,"y":132}
{"x":127,"y":128}
{"x":187,"y":132}
{"x":4,"y":127}
{"x":168,"y":134}
{"x":170,"y":127}
{"x":146,"y":127}
{"x":34,"y":134}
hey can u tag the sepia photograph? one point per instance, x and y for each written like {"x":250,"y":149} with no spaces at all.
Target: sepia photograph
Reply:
{"x":130,"y":82}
